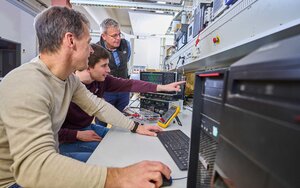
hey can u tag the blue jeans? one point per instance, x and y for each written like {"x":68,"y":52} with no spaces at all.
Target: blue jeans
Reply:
{"x":119,"y":100}
{"x":83,"y":150}
{"x":15,"y":186}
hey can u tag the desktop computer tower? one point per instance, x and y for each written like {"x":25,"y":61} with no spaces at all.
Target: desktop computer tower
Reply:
{"x":259,"y":137}
{"x":207,"y":109}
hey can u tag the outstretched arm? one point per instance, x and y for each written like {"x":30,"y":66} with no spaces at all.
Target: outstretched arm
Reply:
{"x":175,"y":86}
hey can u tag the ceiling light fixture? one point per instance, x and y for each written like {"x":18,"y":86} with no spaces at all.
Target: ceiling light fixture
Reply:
{"x":130,"y":5}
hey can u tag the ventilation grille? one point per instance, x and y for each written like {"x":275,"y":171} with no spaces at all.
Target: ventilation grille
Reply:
{"x":207,"y":156}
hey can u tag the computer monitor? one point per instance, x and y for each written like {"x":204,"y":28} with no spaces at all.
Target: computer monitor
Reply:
{"x":10,"y":56}
{"x":161,"y":78}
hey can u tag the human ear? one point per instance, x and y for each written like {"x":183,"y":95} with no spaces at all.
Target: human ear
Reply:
{"x":70,"y":39}
{"x":103,"y":37}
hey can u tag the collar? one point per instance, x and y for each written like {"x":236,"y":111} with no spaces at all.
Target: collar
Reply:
{"x":109,"y":48}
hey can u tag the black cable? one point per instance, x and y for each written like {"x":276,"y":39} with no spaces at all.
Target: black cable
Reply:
{"x":181,"y":178}
{"x":178,"y":121}
{"x":134,"y":107}
{"x":188,"y":105}
{"x":138,"y":97}
{"x":180,"y":57}
{"x":185,"y":108}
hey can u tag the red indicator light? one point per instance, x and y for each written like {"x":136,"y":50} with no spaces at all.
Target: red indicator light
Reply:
{"x":209,"y":74}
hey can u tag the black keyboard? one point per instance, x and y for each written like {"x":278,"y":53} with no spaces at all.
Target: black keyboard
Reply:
{"x":177,"y":145}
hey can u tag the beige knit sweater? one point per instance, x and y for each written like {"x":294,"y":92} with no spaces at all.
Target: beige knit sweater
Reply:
{"x":33,"y":106}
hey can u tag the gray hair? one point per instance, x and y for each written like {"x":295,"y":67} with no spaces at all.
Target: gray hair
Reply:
{"x":107,"y":23}
{"x":53,"y":23}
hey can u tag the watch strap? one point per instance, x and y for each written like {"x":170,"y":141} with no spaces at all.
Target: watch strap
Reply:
{"x":136,"y":125}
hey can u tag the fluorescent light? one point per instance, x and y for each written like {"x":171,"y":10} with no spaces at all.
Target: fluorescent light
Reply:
{"x":149,"y":23}
{"x":130,"y":4}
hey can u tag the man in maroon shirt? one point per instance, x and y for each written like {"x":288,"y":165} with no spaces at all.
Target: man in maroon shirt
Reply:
{"x":78,"y":136}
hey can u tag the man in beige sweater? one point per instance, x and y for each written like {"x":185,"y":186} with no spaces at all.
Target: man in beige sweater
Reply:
{"x":34,"y":100}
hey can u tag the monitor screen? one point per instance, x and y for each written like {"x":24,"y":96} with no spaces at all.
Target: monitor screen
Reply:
{"x":153,"y":77}
{"x":10,"y":56}
{"x":160,"y":78}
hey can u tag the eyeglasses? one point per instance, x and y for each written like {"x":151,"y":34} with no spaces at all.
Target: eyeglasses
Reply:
{"x":115,"y":36}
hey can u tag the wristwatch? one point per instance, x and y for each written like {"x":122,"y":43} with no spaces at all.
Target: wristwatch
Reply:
{"x":136,"y":125}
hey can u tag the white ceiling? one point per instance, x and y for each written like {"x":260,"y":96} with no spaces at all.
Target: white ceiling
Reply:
{"x":133,"y":22}
{"x":99,"y":14}
{"x":147,"y":24}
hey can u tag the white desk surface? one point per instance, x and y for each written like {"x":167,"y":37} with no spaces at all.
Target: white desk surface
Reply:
{"x":121,"y":148}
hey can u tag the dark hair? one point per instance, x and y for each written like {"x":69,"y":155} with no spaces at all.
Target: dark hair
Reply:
{"x":99,"y":53}
{"x":53,"y":23}
{"x":107,"y":23}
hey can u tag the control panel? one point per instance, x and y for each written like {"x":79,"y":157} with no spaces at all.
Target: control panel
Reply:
{"x":158,"y":106}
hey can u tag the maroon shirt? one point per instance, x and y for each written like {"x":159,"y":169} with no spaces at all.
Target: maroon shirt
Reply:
{"x":77,"y":119}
